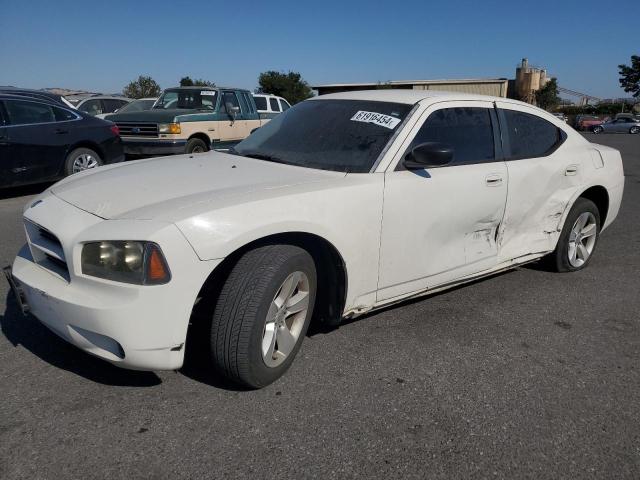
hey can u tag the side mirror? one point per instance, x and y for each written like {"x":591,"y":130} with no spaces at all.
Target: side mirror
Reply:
{"x":430,"y":154}
{"x":233,"y":110}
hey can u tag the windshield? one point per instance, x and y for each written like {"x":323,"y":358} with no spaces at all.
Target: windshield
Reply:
{"x":188,"y":99}
{"x":137,"y":106}
{"x":340,"y":135}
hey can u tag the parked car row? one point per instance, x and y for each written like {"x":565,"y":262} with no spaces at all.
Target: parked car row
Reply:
{"x":192,"y":120}
{"x":41,"y":140}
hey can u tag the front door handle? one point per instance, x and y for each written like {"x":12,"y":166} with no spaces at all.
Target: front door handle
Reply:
{"x":493,"y":180}
{"x":571,"y":170}
{"x":61,"y":131}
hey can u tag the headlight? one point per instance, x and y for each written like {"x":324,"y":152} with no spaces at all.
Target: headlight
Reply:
{"x":127,"y":261}
{"x":169,"y":128}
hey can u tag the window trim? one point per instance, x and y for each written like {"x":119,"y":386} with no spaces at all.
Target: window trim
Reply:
{"x":495,"y":128}
{"x":506,"y":138}
{"x":8,"y":117}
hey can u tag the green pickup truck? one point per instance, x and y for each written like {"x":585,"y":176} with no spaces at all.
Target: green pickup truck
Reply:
{"x":189,"y":120}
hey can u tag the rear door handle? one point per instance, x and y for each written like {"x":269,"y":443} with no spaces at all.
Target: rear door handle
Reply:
{"x":493,"y":180}
{"x":61,"y":131}
{"x":571,"y":170}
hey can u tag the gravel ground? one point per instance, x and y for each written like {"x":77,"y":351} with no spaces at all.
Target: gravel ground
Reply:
{"x":527,"y":374}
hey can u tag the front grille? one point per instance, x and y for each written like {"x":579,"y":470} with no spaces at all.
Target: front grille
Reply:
{"x":46,"y":249}
{"x":130,"y":129}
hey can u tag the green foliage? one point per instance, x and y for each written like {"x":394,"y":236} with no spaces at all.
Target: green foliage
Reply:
{"x":198,"y":82}
{"x":290,"y":86}
{"x":630,"y":76}
{"x":141,"y":88}
{"x":547,"y":97}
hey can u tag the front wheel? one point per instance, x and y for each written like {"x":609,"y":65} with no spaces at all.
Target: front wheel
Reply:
{"x":578,"y":238}
{"x":634,"y":130}
{"x":598,"y":129}
{"x":262,"y":314}
{"x":195,"y":145}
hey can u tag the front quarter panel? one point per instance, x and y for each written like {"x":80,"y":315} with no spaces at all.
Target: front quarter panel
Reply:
{"x":346,"y":212}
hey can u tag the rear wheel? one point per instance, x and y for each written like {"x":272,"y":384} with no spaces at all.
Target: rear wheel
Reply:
{"x":578,"y":238}
{"x":634,"y":130}
{"x":82,"y":159}
{"x":262,"y":314}
{"x":195,"y":145}
{"x":598,"y":129}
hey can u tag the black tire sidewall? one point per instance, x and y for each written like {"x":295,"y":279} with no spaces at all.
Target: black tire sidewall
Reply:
{"x":68,"y":164}
{"x":193,"y":143}
{"x":259,"y":373}
{"x":581,"y":206}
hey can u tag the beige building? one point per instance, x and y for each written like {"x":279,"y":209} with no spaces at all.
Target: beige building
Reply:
{"x":496,"y":87}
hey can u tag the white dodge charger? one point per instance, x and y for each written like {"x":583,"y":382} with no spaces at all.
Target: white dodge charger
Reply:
{"x":343,"y":204}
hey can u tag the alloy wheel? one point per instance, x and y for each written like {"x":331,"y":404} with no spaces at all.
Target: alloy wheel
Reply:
{"x":84,"y":161}
{"x":582,"y":239}
{"x":285,"y":319}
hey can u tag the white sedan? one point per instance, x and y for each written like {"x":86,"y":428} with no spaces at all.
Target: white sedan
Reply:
{"x":343,"y":204}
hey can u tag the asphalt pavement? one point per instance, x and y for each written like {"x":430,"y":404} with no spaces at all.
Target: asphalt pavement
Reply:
{"x":527,"y":374}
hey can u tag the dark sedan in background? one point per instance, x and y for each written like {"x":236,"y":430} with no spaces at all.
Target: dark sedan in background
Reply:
{"x":44,"y":141}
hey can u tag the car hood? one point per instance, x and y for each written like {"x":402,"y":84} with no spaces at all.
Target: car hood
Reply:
{"x":158,"y":115}
{"x":160,"y":188}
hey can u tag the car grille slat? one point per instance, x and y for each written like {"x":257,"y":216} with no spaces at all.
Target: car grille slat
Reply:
{"x":131,"y":129}
{"x":46,"y":249}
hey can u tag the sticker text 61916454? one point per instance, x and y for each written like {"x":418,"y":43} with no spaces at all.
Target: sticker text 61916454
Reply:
{"x":381,"y":119}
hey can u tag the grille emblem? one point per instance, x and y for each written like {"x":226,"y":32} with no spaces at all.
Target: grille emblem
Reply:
{"x":135,"y":130}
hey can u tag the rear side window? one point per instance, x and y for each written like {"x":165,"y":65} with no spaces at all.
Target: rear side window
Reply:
{"x":25,"y":113}
{"x":261,"y":103}
{"x":530,"y":136}
{"x":273,"y":102}
{"x":247,"y":100}
{"x":63,"y":115}
{"x":467,"y":129}
{"x":284,"y":105}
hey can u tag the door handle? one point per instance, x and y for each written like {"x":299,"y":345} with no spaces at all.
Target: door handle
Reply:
{"x":4,"y":140}
{"x":61,"y":131}
{"x":571,"y":170}
{"x":493,"y":180}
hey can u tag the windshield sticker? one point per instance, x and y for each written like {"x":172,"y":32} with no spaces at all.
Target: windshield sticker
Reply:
{"x":386,"y":121}
{"x":208,"y":92}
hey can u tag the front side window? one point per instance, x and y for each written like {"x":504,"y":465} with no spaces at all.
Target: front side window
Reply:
{"x":273,"y":103}
{"x":284,"y":105}
{"x":25,"y":113}
{"x":261,"y":103}
{"x":467,"y":130}
{"x":339,"y":135}
{"x":227,"y":101}
{"x":530,"y":136}
{"x":111,"y":105}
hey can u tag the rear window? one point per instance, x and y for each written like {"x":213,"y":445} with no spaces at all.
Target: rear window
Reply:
{"x":261,"y":103}
{"x":530,"y":136}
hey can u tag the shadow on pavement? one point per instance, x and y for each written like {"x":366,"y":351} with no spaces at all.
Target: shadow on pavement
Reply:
{"x":29,"y":333}
{"x":13,"y":192}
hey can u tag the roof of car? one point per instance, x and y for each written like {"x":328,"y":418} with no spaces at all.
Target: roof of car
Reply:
{"x":405,"y":96}
{"x":10,"y":96}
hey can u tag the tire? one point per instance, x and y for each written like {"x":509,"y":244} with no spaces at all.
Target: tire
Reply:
{"x":195,"y":145}
{"x":598,"y":129}
{"x":247,"y":339}
{"x":634,"y":130}
{"x":81,"y":159}
{"x":563,"y":258}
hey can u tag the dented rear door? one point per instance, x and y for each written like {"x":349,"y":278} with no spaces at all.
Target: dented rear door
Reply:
{"x":544,"y":174}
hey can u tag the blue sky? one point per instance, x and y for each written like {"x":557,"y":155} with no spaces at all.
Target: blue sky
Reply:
{"x":101,"y":46}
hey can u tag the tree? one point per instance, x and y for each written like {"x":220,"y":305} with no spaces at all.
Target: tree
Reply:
{"x":141,"y":88}
{"x":198,"y":82}
{"x":547,"y":97}
{"x":289,"y":85}
{"x":630,"y":76}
